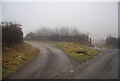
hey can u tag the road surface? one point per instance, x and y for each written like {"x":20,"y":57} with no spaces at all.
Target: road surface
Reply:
{"x":52,"y":63}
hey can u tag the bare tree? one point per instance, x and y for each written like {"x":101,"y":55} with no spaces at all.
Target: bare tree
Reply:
{"x":61,"y":34}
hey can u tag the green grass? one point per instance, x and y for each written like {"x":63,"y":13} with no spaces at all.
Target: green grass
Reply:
{"x":15,"y":58}
{"x":71,"y":48}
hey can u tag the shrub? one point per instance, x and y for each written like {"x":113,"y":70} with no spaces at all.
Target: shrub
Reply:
{"x":11,"y":34}
{"x":112,"y":41}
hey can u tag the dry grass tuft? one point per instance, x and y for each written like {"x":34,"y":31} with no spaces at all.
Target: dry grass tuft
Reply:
{"x":16,"y":57}
{"x":71,"y":48}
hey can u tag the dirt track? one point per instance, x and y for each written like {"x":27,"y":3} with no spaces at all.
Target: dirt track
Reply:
{"x":52,"y":63}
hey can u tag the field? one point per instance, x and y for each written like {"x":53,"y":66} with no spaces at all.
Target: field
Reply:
{"x":71,"y":49}
{"x":16,"y":57}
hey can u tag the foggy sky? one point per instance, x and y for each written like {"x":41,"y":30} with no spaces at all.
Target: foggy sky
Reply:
{"x":98,"y":19}
{"x":0,"y":12}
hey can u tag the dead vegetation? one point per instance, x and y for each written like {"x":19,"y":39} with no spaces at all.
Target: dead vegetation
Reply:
{"x":16,"y":57}
{"x":72,"y":49}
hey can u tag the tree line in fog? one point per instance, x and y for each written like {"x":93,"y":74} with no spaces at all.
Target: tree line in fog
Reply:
{"x":12,"y":34}
{"x":59,"y":34}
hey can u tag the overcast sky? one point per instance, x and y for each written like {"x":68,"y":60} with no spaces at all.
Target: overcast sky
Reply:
{"x":98,"y":19}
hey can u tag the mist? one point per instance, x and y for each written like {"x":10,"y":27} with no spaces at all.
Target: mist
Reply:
{"x":98,"y":19}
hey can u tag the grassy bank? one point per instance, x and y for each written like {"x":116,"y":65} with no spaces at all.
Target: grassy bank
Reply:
{"x":111,"y":46}
{"x":71,"y":48}
{"x":16,"y":57}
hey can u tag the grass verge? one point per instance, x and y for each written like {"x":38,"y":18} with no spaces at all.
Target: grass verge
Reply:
{"x":15,"y":58}
{"x":111,"y":46}
{"x":71,"y":48}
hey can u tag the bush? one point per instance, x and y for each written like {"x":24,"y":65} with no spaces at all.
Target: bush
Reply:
{"x":112,"y":41}
{"x":11,"y":34}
